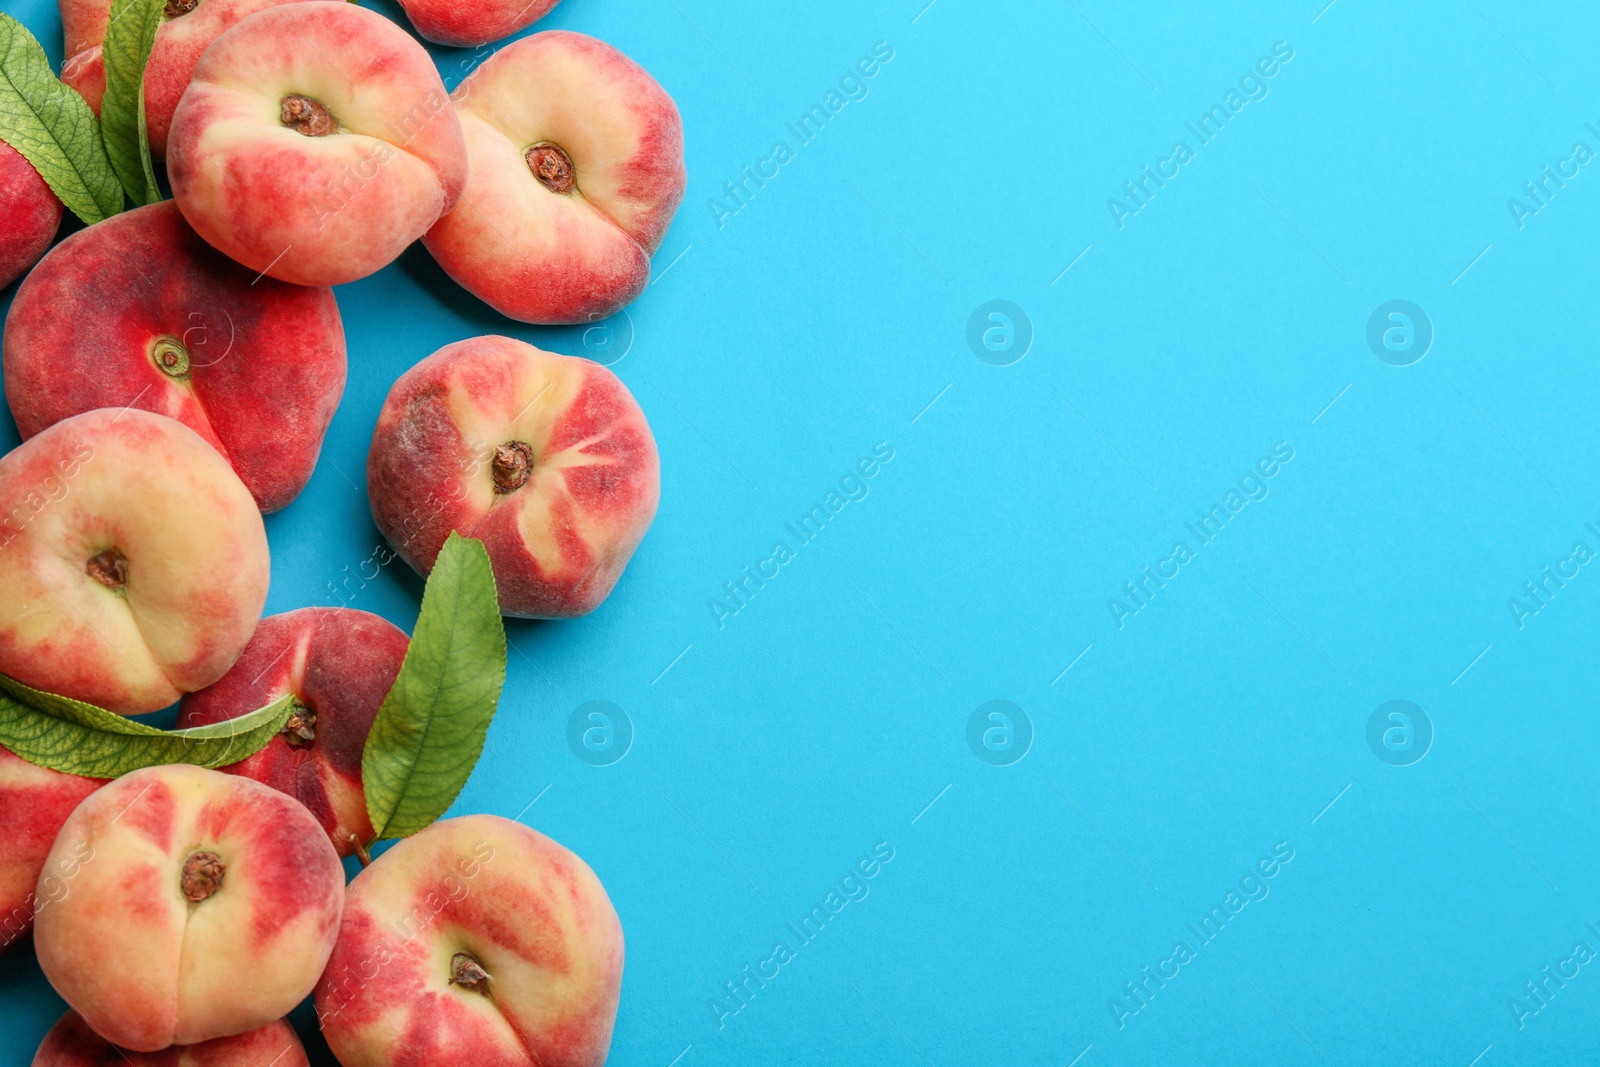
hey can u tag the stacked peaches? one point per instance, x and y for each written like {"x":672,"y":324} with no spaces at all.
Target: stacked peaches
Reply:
{"x":173,"y":371}
{"x":312,"y":144}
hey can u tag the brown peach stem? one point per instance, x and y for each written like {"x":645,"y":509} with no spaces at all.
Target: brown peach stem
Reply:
{"x":552,"y":166}
{"x":513,"y":466}
{"x":109,"y":568}
{"x":178,"y":8}
{"x":300,"y":728}
{"x":306,"y":116}
{"x":468,"y":973}
{"x":171,"y":357}
{"x":202,"y":875}
{"x":361,"y":851}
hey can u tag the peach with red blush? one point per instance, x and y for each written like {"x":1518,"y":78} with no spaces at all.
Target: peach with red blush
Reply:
{"x":314,"y":143}
{"x":546,"y":459}
{"x":338,"y":664}
{"x":30,"y":214}
{"x":34,"y":803}
{"x":138,"y":310}
{"x":209,"y":908}
{"x":187,"y":28}
{"x":133,"y":561}
{"x":477,"y":940}
{"x":464,"y":23}
{"x":576,"y":168}
{"x":72,"y":1043}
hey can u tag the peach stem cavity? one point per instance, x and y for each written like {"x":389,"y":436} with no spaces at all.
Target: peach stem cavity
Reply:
{"x":307,"y":116}
{"x":300,"y":728}
{"x":171,"y":357}
{"x":512,"y":466}
{"x":468,"y":973}
{"x":552,"y":166}
{"x":202,"y":875}
{"x":109,"y":568}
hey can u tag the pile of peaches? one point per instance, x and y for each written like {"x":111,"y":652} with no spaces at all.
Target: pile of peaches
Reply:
{"x":172,"y":370}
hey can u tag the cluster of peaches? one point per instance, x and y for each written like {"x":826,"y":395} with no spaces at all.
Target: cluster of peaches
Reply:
{"x":172,"y":371}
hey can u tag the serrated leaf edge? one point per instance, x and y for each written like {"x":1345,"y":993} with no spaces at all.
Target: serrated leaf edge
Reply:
{"x":383,"y":827}
{"x":140,"y":184}
{"x":84,"y":195}
{"x":36,"y":702}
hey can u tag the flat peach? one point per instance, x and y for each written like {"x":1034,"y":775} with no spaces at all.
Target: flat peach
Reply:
{"x":30,"y":214}
{"x":464,"y":23}
{"x":34,"y":802}
{"x":208,"y":909}
{"x":576,"y":170}
{"x":477,"y":941}
{"x":139,"y":310}
{"x":314,"y":143}
{"x":546,"y":459}
{"x":133,"y":562}
{"x":339,"y":664}
{"x":187,"y":30}
{"x":71,"y":1043}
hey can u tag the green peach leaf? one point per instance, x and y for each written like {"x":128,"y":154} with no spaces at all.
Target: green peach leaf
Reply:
{"x":430,"y":729}
{"x":69,"y":735}
{"x":130,"y":35}
{"x":53,"y":128}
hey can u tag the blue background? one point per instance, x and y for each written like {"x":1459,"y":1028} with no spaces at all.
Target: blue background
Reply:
{"x":777,"y":345}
